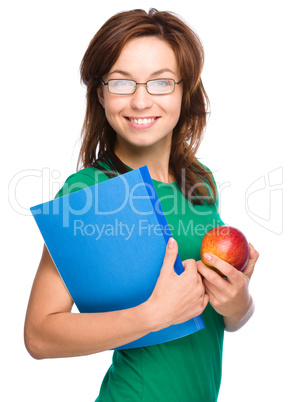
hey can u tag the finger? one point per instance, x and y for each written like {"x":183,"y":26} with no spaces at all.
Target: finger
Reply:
{"x":253,"y":257}
{"x":226,"y":269}
{"x":205,"y":301}
{"x":189,"y":264}
{"x":254,"y":254}
{"x":170,"y":254}
{"x":220,"y":294}
{"x":209,"y":292}
{"x":211,"y":276}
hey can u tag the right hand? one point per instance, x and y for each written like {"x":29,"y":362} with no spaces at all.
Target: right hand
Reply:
{"x":177,"y":298}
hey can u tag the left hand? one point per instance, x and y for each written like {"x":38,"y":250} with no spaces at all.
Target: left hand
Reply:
{"x":230,"y":297}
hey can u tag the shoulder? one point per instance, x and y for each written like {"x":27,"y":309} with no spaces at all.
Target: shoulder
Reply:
{"x":207,"y":171}
{"x":203,"y":167}
{"x":84,"y":178}
{"x":208,"y":177}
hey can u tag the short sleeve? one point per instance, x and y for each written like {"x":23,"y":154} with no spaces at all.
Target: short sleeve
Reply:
{"x":78,"y":181}
{"x":212,"y":177}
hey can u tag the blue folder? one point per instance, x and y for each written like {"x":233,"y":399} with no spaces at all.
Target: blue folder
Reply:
{"x":108,"y":243}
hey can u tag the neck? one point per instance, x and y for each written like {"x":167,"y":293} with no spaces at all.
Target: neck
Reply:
{"x":158,"y":164}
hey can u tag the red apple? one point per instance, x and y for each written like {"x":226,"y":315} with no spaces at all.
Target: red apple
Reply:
{"x":227,"y":243}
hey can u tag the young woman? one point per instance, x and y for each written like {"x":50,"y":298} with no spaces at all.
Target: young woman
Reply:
{"x":146,"y":105}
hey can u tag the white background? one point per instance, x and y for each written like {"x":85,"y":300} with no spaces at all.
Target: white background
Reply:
{"x":247,"y":77}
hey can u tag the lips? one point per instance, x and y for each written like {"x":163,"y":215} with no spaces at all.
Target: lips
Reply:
{"x":141,"y":120}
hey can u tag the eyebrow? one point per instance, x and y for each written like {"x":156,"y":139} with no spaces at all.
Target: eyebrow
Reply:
{"x":156,"y":73}
{"x":120,"y":72}
{"x":164,"y":70}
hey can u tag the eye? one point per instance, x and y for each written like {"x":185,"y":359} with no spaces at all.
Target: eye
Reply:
{"x":163,"y":83}
{"x":121,"y":83}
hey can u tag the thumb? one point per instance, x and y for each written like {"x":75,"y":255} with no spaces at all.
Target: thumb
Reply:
{"x":171,"y":253}
{"x":254,"y":255}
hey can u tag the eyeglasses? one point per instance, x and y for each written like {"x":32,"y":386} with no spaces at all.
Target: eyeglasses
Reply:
{"x":161,"y":86}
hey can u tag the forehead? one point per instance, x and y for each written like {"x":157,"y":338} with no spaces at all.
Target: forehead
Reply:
{"x":145,"y":56}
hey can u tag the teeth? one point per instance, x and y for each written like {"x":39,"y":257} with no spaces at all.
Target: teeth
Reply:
{"x":142,"y":121}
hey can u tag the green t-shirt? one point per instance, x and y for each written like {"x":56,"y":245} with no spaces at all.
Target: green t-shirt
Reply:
{"x":184,"y":370}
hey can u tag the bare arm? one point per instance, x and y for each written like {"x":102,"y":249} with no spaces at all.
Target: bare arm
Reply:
{"x":52,"y":330}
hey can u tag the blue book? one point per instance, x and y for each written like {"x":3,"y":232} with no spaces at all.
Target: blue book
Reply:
{"x":108,"y":243}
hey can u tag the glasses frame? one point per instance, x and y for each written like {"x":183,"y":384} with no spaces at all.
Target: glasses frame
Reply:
{"x":141,"y":83}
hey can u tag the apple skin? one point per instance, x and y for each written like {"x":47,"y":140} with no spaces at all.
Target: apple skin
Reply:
{"x":227,"y":243}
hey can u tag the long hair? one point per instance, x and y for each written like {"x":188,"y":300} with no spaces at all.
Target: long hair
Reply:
{"x":194,"y":180}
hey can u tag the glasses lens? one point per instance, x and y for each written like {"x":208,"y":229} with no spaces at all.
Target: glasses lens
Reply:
{"x":161,"y":86}
{"x":121,"y":87}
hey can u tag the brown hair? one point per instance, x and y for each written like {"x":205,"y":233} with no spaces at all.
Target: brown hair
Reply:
{"x":104,"y":50}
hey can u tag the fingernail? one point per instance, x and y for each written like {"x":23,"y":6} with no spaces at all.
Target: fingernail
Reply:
{"x":207,"y":256}
{"x":171,"y":242}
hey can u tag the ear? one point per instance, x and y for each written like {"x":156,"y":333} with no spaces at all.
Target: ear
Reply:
{"x":100,"y":95}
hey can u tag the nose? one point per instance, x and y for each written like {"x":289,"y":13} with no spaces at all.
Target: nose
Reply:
{"x":141,"y":99}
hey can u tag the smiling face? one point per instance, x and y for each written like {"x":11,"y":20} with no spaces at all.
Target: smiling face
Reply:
{"x":142,"y":120}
